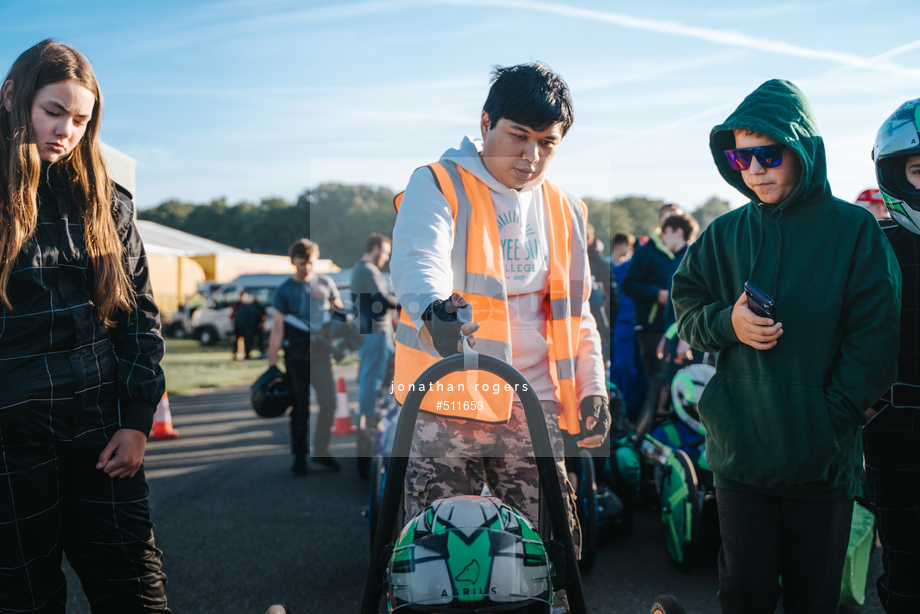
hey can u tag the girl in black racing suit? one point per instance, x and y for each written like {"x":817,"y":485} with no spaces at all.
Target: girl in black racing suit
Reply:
{"x":80,"y":349}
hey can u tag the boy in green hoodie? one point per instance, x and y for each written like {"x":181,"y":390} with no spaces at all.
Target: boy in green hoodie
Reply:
{"x":783,"y":413}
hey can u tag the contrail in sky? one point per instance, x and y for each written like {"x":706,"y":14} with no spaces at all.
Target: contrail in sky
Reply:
{"x":898,"y":50}
{"x":706,"y":113}
{"x":723,"y":37}
{"x":338,"y":12}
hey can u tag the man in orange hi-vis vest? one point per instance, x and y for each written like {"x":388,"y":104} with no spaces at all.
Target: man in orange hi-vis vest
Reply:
{"x":484,"y":230}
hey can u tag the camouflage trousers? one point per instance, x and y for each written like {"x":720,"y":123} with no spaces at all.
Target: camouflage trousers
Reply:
{"x":452,"y":457}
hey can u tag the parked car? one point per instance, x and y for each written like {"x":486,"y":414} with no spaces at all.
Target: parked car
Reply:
{"x":179,"y":326}
{"x":211,"y":323}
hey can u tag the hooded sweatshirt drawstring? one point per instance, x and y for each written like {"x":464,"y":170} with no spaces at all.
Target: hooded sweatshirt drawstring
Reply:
{"x":779,"y":251}
{"x":774,"y":280}
{"x":759,"y":244}
{"x":533,"y":199}
{"x":520,"y":209}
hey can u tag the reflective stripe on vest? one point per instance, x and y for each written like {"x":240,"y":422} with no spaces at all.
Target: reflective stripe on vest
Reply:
{"x":478,"y":274}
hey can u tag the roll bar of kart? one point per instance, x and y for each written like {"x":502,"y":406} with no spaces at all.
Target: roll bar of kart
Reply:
{"x":399,"y":461}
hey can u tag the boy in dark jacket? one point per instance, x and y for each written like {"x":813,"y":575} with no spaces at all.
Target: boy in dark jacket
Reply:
{"x":784,"y":410}
{"x":646,"y":283}
{"x":676,"y":233}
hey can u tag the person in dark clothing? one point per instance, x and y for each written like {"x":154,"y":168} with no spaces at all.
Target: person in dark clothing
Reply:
{"x":892,"y":435}
{"x":375,"y":306}
{"x":303,"y":306}
{"x":80,"y":350}
{"x":646,"y":283}
{"x":626,"y":367}
{"x":783,"y":411}
{"x":243,"y":315}
{"x":248,"y":316}
{"x":676,"y":234}
{"x":613,"y":296}
{"x":601,"y":288}
{"x":258,"y":330}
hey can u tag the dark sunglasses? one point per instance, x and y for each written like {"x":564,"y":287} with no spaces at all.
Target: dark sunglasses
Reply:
{"x":768,"y":156}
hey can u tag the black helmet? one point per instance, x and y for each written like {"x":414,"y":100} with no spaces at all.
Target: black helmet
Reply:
{"x":272,"y":393}
{"x":897,"y":140}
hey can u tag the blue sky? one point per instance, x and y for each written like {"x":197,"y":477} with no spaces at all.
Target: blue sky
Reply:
{"x":249,"y":99}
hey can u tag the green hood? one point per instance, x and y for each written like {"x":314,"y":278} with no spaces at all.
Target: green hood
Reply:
{"x":777,"y":109}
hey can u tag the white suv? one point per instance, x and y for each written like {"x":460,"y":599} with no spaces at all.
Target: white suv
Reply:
{"x":211,"y":322}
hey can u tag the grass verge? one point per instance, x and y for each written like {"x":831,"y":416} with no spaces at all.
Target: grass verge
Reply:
{"x":190,"y":366}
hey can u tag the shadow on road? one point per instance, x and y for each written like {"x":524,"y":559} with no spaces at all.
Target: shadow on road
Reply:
{"x":239,"y":531}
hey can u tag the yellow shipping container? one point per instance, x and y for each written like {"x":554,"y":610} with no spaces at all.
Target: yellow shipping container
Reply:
{"x":179,"y":261}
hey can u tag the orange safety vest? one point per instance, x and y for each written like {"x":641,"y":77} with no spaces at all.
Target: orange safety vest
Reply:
{"x":478,"y":269}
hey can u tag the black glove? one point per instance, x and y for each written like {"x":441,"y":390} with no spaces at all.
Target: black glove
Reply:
{"x":441,"y":320}
{"x":595,"y":407}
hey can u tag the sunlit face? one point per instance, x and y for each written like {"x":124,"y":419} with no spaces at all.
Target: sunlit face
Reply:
{"x":673,"y":238}
{"x":515,"y":154}
{"x":60,"y":114}
{"x":381,"y":255}
{"x":622,"y":251}
{"x":303,"y":268}
{"x":912,"y":168}
{"x":771,"y":185}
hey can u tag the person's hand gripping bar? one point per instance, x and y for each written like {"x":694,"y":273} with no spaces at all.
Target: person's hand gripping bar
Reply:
{"x":446,"y":329}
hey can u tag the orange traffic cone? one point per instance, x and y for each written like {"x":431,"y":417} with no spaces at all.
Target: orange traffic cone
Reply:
{"x":342,"y":425}
{"x":162,"y":421}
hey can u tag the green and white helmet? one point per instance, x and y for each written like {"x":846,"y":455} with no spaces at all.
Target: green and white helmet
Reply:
{"x":686,"y":389}
{"x":898,"y":138}
{"x":469,"y":554}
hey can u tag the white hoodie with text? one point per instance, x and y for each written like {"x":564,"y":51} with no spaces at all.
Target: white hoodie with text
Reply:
{"x":421,"y":272}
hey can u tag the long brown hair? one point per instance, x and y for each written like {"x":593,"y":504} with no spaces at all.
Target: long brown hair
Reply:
{"x":46,"y":63}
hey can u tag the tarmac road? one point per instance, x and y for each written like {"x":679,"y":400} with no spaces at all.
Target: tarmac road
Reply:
{"x":239,"y":531}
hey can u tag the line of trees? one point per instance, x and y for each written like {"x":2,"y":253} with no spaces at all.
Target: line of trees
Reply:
{"x":339,"y":217}
{"x":639,"y":215}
